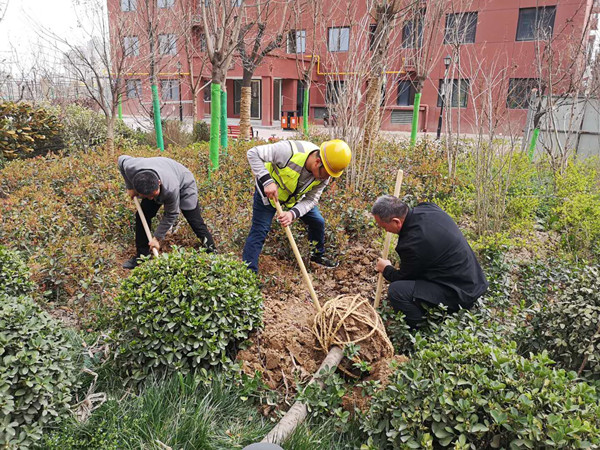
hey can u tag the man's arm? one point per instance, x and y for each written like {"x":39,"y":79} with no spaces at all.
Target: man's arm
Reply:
{"x":309,"y":201}
{"x":171,"y":211}
{"x":278,"y":153}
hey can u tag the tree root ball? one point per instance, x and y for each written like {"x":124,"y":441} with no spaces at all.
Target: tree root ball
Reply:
{"x":349,"y":319}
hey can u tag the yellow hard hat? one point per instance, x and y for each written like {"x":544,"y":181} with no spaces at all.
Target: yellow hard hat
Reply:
{"x":336,"y":156}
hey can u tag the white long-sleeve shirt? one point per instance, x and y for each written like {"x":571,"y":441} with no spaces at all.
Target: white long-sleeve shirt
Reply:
{"x":280,"y":153}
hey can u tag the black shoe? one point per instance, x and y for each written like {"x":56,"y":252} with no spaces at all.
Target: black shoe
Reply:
{"x":132,"y":263}
{"x":323,"y":260}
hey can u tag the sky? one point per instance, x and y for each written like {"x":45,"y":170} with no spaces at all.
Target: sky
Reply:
{"x":24,"y":17}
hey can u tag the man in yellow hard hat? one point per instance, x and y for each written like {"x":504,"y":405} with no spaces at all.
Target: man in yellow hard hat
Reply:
{"x":296,"y":173}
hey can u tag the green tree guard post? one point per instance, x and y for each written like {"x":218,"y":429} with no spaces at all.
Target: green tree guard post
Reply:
{"x":533,"y":143}
{"x":415,"y":119}
{"x":224,"y":121}
{"x":120,"y":108}
{"x":215,"y":118}
{"x":305,"y":113}
{"x":157,"y":124}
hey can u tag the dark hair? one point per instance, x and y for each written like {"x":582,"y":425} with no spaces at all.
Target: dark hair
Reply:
{"x":388,"y":207}
{"x":145,"y":182}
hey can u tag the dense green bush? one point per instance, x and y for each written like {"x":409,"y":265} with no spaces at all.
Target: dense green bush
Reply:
{"x":186,"y":310}
{"x":27,"y":131}
{"x":37,"y":374}
{"x":14,"y":274}
{"x":576,"y":207}
{"x":569,"y":327}
{"x":86,"y":129}
{"x":201,"y":132}
{"x":464,"y":392}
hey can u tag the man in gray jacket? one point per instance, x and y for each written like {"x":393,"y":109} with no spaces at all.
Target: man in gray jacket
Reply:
{"x":162,"y":181}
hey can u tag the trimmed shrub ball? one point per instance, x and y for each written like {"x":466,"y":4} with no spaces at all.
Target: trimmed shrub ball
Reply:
{"x":185,"y":310}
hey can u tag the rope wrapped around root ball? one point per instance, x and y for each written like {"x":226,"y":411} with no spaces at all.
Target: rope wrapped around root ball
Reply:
{"x":350,"y":319}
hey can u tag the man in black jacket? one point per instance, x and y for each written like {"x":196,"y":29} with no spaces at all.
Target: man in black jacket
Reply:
{"x":437,"y":265}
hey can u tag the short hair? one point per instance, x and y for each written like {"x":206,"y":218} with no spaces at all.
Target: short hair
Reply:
{"x":145,"y":182}
{"x":388,"y":207}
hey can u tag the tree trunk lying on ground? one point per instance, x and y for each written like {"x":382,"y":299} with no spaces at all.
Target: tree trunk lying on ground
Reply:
{"x":297,"y":413}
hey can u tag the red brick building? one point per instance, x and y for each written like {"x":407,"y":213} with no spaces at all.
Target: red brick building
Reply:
{"x":499,"y":38}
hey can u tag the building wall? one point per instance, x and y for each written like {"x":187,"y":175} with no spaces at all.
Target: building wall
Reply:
{"x":495,"y":51}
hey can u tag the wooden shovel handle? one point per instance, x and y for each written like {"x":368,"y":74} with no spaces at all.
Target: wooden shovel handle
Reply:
{"x":309,"y":284}
{"x":143,"y":218}
{"x":387,"y":241}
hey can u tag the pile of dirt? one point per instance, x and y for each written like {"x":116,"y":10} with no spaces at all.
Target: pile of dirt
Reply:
{"x":286,"y":350}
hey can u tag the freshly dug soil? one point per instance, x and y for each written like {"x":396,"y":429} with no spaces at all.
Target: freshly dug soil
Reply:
{"x":286,"y":350}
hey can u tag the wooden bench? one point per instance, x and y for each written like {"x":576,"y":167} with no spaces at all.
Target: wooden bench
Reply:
{"x":233,"y":132}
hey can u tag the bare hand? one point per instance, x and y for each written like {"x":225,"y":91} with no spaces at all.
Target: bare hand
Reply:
{"x":286,"y":219}
{"x":271,"y":191}
{"x":154,"y":244}
{"x":382,"y":264}
{"x":131,"y":193}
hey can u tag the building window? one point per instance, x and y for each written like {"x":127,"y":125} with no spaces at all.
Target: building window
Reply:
{"x":372,"y":29}
{"x":128,"y":5}
{"x":167,"y":44}
{"x":296,"y":41}
{"x":207,"y":93}
{"x":169,"y":89}
{"x":339,"y":39}
{"x":412,"y":36}
{"x":131,"y":46}
{"x":519,"y":92}
{"x":335,"y":89}
{"x":406,"y":93}
{"x":235,"y":3}
{"x":134,"y":88}
{"x":452,"y":93}
{"x":199,"y":39}
{"x":460,"y":28}
{"x":536,"y":23}
{"x":319,"y":112}
{"x":166,"y":3}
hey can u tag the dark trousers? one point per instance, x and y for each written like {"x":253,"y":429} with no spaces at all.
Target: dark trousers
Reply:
{"x":193,"y":217}
{"x":262,"y":216}
{"x":401,"y":297}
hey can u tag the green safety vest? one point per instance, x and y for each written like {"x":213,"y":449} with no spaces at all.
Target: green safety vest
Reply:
{"x":289,"y":193}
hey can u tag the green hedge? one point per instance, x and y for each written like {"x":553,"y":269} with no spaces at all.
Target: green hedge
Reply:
{"x":14,"y":274}
{"x":461,"y":392}
{"x":568,"y":326}
{"x":37,"y":373}
{"x":185,"y":310}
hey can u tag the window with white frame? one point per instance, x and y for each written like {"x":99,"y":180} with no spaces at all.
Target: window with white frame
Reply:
{"x":131,"y":46}
{"x":169,"y":89}
{"x":128,"y":5}
{"x":167,"y":44}
{"x":134,"y":88}
{"x":166,"y":3}
{"x":296,"y":41}
{"x":338,"y":39}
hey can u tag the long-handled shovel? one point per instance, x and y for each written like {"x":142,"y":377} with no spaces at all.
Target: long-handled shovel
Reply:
{"x":309,"y":284}
{"x":298,"y":412}
{"x":388,"y":240}
{"x":143,"y":218}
